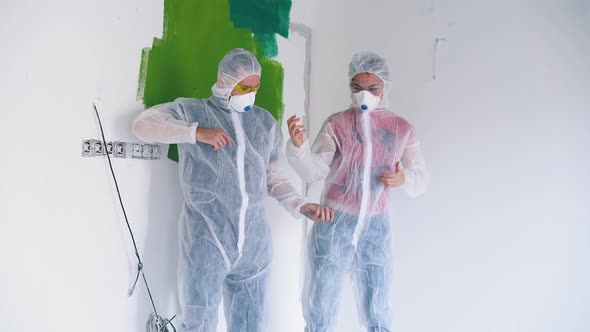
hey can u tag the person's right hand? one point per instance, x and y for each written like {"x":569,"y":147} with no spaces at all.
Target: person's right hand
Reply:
{"x":317,"y":212}
{"x":217,"y":138}
{"x":296,"y":131}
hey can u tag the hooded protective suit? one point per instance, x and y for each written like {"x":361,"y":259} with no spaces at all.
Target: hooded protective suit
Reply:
{"x":225,"y":240}
{"x":350,"y":152}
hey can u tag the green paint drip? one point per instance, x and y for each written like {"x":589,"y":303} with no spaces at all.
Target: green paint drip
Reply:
{"x":266,"y":44}
{"x":197,"y":34}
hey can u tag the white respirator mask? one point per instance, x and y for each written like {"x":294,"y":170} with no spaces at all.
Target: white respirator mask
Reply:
{"x":242,"y":103}
{"x":365,"y":100}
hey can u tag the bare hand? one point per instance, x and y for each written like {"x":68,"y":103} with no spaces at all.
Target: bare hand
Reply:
{"x":396,"y":179}
{"x":296,"y":131}
{"x":317,"y":212}
{"x":217,"y":138}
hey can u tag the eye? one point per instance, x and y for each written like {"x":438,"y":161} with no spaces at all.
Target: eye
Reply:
{"x":355,"y":88}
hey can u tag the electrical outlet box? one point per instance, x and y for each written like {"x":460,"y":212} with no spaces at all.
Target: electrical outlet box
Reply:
{"x":115,"y":149}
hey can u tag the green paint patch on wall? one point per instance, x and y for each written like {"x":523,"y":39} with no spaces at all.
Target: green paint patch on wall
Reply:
{"x":265,"y":18}
{"x":262,"y":15}
{"x":197,"y":34}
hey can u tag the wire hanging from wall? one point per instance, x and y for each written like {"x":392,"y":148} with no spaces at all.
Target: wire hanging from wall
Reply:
{"x":155,"y":322}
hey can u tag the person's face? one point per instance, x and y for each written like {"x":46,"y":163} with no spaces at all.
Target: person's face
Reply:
{"x":367,"y":81}
{"x":247,"y":85}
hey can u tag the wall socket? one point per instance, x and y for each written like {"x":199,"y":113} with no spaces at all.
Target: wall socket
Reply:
{"x":115,"y":149}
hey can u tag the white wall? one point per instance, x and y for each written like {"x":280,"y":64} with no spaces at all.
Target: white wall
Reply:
{"x":65,"y":265}
{"x":501,"y":242}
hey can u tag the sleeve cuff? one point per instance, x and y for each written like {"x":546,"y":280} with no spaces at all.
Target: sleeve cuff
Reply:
{"x":408,"y":179}
{"x":297,"y":210}
{"x":192,"y":133}
{"x":296,"y":152}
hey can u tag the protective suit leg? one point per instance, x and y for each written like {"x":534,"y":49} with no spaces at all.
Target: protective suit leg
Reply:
{"x":245,"y":301}
{"x":330,"y":257}
{"x":245,"y":286}
{"x":373,"y":274}
{"x":200,"y":285}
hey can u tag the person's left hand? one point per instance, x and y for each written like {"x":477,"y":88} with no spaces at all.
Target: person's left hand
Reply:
{"x":317,"y":212}
{"x":392,"y":180}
